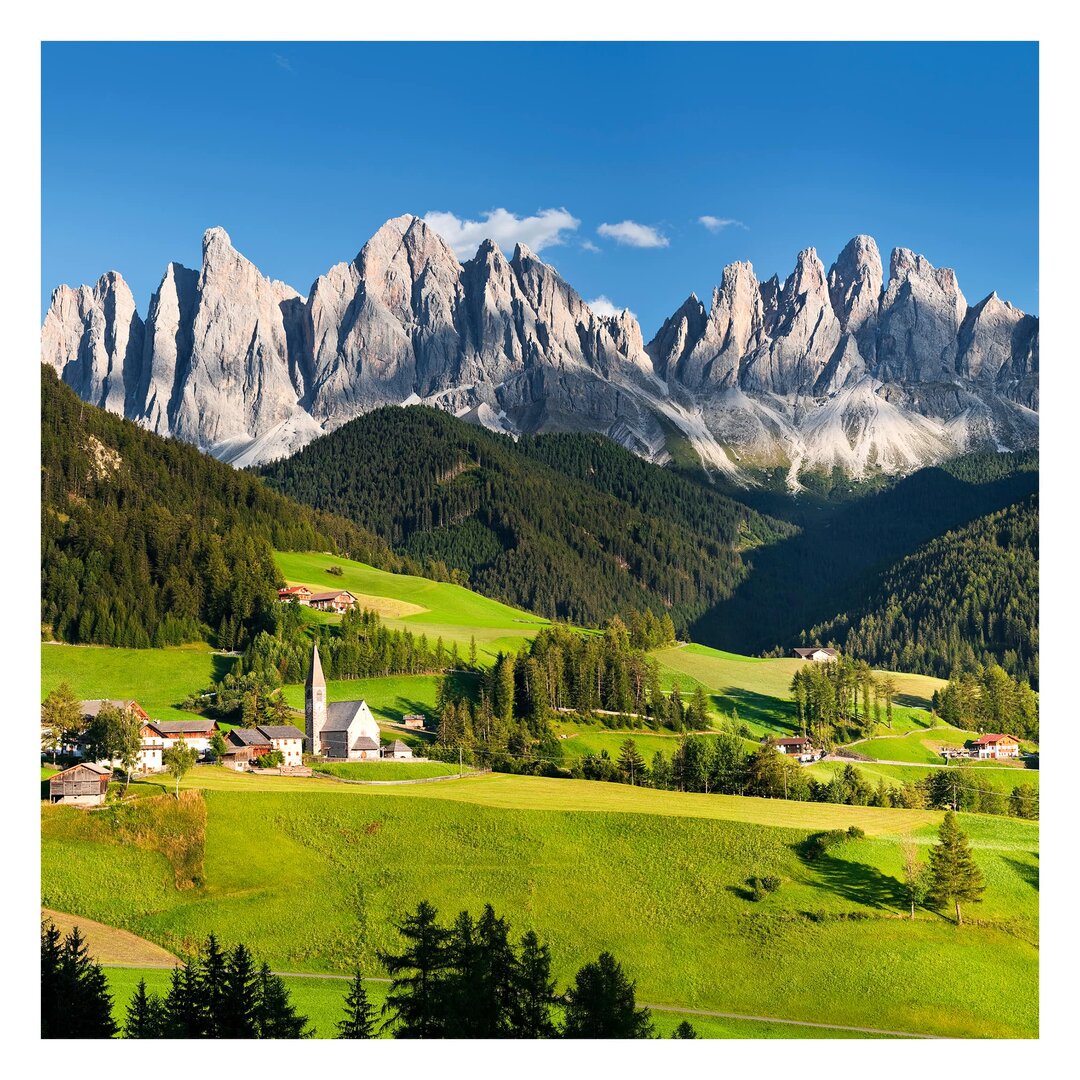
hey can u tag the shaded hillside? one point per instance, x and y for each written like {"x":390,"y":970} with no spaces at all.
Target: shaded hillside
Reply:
{"x":146,"y":541}
{"x":833,"y":564}
{"x":569,"y":526}
{"x":972,"y":594}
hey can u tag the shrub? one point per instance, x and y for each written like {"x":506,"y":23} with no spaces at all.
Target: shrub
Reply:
{"x":760,"y":887}
{"x":855,"y":833}
{"x":335,"y":570}
{"x":770,"y":883}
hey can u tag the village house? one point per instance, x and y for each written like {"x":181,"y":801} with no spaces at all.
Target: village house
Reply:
{"x":242,"y":746}
{"x":340,"y":731}
{"x":818,"y":654}
{"x":338,"y":601}
{"x":414,"y":720}
{"x":152,"y":742}
{"x":397,"y":751}
{"x":196,"y":733}
{"x":85,"y":784}
{"x":798,"y":747}
{"x":301,"y":594}
{"x":286,"y":738}
{"x":996,"y":747}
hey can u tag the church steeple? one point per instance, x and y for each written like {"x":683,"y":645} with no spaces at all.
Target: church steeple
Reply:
{"x":314,"y":704}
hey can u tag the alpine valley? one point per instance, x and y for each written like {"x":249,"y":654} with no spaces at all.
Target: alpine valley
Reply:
{"x":838,"y":369}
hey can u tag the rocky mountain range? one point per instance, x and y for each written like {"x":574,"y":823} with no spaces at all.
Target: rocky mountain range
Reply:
{"x":828,"y":368}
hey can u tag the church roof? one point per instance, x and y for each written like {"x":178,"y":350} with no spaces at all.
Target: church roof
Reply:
{"x":315,"y":675}
{"x":340,"y":714}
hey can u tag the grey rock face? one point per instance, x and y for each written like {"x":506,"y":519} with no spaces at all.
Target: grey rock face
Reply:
{"x":93,"y":337}
{"x":921,"y":313}
{"x":855,"y":291}
{"x":827,"y":370}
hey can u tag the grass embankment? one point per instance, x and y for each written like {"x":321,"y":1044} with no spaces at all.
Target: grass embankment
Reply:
{"x":657,"y":877}
{"x":158,"y":679}
{"x":924,"y":748}
{"x":1004,"y":779}
{"x":451,"y":612}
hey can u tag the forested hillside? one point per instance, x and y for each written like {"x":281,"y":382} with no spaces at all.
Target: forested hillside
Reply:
{"x":969,"y":596}
{"x":834,"y":561}
{"x":146,"y":541}
{"x":569,"y":526}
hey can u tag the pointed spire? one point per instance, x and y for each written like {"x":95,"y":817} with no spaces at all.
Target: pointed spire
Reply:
{"x":315,"y":675}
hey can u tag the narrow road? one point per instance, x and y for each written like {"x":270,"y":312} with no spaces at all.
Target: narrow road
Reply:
{"x":678,"y":1010}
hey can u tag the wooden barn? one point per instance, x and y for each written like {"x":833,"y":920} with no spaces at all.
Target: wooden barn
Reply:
{"x":85,"y":784}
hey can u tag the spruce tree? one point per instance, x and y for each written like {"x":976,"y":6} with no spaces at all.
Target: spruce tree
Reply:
{"x":145,"y":1017}
{"x":953,"y":873}
{"x":359,"y":1020}
{"x":75,"y":998}
{"x":601,"y":1004}
{"x":274,"y":1013}
{"x":239,"y":997}
{"x":534,"y":991}
{"x":213,"y":970}
{"x":417,"y":991}
{"x":685,"y":1030}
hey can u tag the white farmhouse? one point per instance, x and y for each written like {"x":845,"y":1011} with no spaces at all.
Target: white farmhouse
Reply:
{"x":286,"y":738}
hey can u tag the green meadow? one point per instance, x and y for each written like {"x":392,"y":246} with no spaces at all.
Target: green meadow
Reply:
{"x":387,"y":770}
{"x":158,"y":679}
{"x":657,"y":877}
{"x":451,"y":612}
{"x":1003,"y":779}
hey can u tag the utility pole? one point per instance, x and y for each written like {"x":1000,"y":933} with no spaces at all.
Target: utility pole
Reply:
{"x":459,"y":761}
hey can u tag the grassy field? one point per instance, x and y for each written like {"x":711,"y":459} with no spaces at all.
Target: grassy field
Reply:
{"x":578,"y":739}
{"x":158,"y":679}
{"x":387,"y":770}
{"x":1004,"y":779}
{"x":448,"y":611}
{"x":759,"y":689}
{"x":321,"y":1001}
{"x":658,"y":877}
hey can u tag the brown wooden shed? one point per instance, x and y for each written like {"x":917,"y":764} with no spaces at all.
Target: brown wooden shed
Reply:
{"x":85,"y":784}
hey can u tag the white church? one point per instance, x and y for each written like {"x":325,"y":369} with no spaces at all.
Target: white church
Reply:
{"x":339,"y":730}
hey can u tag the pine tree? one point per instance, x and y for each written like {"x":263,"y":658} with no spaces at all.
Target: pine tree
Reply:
{"x":274,"y":1013}
{"x":213,"y":971}
{"x":631,"y":763}
{"x":601,"y":1004}
{"x":75,"y":998}
{"x":145,"y":1017}
{"x":238,"y":1000}
{"x":359,"y":1020}
{"x":534,"y":991}
{"x":417,"y":991}
{"x":953,"y":873}
{"x":685,"y":1030}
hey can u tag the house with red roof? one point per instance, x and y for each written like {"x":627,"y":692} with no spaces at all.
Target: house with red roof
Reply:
{"x":996,"y":747}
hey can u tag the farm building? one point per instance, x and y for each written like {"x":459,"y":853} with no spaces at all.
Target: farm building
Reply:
{"x":818,"y":654}
{"x":286,"y":738}
{"x":339,"y":601}
{"x":342,"y":730}
{"x":397,"y":751}
{"x":414,"y":720}
{"x":799,"y":747}
{"x":85,"y":784}
{"x":243,"y":745}
{"x":996,"y":747}
{"x":196,"y":733}
{"x":301,"y":594}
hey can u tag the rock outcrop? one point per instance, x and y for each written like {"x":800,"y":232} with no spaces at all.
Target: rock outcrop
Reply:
{"x":827,"y":370}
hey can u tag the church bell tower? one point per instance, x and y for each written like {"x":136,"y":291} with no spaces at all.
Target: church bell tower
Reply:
{"x":314,"y":705}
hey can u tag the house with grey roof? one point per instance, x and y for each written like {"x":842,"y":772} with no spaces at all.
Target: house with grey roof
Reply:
{"x":286,"y":738}
{"x":397,"y":751}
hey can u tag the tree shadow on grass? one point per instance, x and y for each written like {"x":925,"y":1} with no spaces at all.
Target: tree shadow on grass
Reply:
{"x":912,"y":701}
{"x":856,"y":881}
{"x":1025,"y":871}
{"x":757,"y":708}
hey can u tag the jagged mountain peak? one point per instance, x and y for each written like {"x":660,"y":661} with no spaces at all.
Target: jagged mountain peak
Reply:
{"x":897,"y":372}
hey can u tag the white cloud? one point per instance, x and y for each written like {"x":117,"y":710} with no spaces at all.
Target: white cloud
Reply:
{"x":715,"y":224}
{"x":603,"y":306}
{"x":634,"y":234}
{"x":588,"y":245}
{"x":544,"y":229}
{"x":282,"y":62}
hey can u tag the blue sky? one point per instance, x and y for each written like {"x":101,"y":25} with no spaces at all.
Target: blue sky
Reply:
{"x":302,"y":150}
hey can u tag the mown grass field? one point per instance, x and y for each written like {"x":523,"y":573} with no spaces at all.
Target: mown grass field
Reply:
{"x":578,"y":739}
{"x":1004,"y":779}
{"x":158,"y":679}
{"x":448,"y":611}
{"x":387,"y":770}
{"x":657,"y":877}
